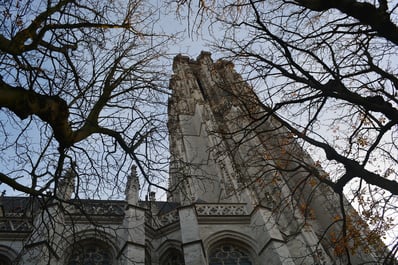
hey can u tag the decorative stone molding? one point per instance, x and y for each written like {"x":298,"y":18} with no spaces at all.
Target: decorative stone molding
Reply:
{"x":97,"y":208}
{"x":221,"y":209}
{"x":12,"y":214}
{"x":17,"y":225}
{"x":169,"y":218}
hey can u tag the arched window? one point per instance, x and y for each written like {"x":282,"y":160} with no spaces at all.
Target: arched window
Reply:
{"x":229,"y":254}
{"x":90,"y":252}
{"x":7,"y":255}
{"x":4,"y":260}
{"x":172,"y":257}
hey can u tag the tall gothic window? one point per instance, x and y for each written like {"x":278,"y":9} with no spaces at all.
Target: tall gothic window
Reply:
{"x":90,"y":253}
{"x":228,"y":254}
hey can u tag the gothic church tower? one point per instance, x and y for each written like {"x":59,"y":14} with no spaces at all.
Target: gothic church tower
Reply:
{"x":226,"y":148}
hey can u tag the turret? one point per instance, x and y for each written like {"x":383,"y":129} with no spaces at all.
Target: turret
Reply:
{"x":66,"y":185}
{"x":132,"y":187}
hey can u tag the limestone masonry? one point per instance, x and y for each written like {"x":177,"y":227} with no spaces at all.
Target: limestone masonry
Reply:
{"x":240,"y":193}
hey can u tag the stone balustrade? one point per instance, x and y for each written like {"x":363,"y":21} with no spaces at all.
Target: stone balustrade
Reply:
{"x":221,"y":209}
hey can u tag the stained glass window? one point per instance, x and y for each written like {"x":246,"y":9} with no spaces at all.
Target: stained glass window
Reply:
{"x":90,"y":253}
{"x":228,"y":254}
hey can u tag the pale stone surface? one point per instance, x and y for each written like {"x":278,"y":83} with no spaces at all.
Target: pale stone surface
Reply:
{"x":191,"y":241}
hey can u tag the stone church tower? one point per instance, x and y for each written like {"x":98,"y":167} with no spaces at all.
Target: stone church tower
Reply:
{"x":226,"y":149}
{"x":242,"y":192}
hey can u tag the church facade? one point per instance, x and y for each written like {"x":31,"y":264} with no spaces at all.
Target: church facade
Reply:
{"x":239,"y":193}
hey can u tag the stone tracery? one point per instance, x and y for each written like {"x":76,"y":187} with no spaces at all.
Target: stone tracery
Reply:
{"x":229,"y":254}
{"x":89,"y":252}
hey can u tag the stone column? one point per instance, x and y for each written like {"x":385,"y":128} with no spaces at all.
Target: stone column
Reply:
{"x":46,"y":241}
{"x":194,"y":253}
{"x":273,"y":249}
{"x":133,"y":237}
{"x":133,"y":233}
{"x":43,"y":245}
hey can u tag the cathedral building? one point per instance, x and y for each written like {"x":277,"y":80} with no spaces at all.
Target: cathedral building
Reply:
{"x":242,"y":192}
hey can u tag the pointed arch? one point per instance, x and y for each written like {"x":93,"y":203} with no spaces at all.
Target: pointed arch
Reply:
{"x":90,"y":251}
{"x":7,"y":255}
{"x":90,"y":244}
{"x":240,"y":238}
{"x":170,"y":253}
{"x":230,"y":247}
{"x":172,"y":256}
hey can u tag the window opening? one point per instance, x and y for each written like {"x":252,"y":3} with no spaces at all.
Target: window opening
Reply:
{"x":227,"y":254}
{"x":174,"y":257}
{"x":90,"y":254}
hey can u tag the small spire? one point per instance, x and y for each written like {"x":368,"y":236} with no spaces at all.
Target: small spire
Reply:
{"x":66,"y":184}
{"x":132,"y":187}
{"x":152,"y":196}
